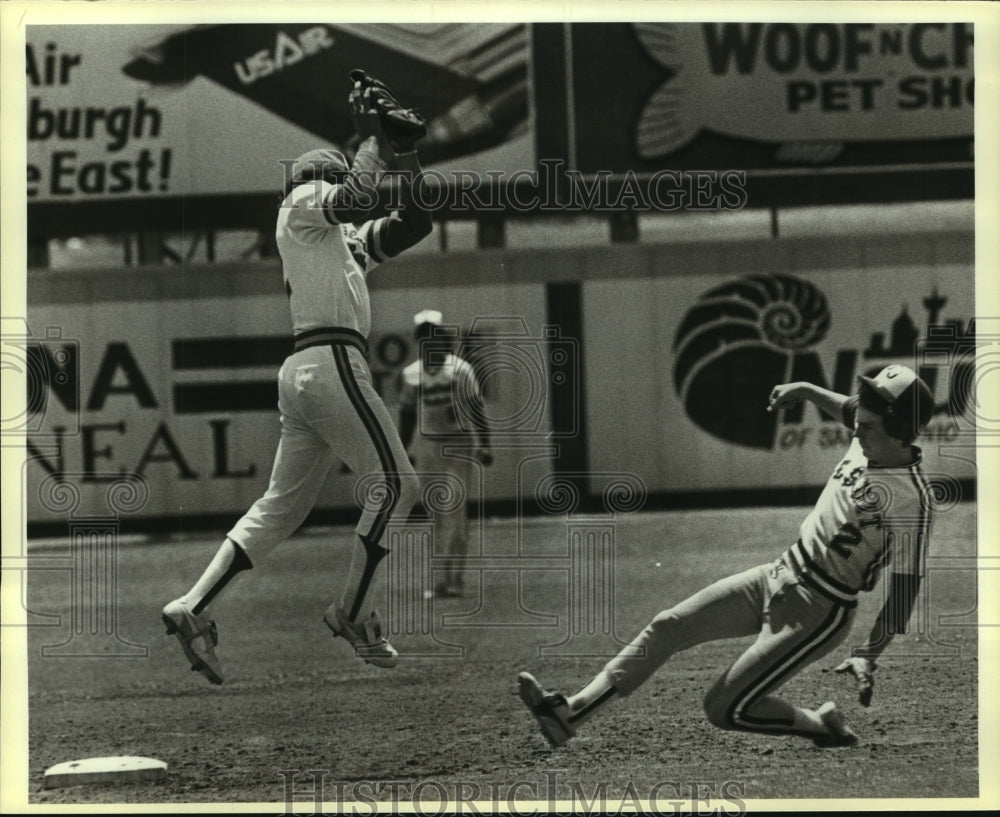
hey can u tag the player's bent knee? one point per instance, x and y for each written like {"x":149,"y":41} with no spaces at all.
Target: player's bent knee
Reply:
{"x":718,"y":709}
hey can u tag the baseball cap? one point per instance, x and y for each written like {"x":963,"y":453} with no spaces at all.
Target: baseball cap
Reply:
{"x":318,"y":163}
{"x":428,"y":316}
{"x":906,"y":395}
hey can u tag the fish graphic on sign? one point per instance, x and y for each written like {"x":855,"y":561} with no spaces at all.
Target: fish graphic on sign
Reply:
{"x":817,"y":83}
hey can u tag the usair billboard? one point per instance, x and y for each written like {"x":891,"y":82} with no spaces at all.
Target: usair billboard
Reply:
{"x":186,"y":127}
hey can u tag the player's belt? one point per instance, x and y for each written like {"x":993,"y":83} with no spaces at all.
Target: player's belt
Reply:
{"x":809,"y":573}
{"x":326,"y":335}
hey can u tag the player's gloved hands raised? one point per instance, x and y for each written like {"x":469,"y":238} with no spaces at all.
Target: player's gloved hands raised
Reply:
{"x":861,"y":669}
{"x":402,"y":127}
{"x":364,"y":113}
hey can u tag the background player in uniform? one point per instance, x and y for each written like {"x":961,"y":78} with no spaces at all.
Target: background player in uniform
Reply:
{"x":329,"y":242}
{"x":873,"y":513}
{"x":439,"y":391}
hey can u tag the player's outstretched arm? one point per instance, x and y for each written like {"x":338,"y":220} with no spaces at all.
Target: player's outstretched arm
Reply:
{"x":356,"y":196}
{"x":790,"y":394}
{"x":890,"y":622}
{"x":412,"y":222}
{"x":398,"y":130}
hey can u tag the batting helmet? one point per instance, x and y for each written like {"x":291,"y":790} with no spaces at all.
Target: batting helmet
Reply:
{"x":903,"y":399}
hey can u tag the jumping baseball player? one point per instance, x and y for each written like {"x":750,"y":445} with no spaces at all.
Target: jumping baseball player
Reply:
{"x":328,"y":243}
{"x":440,"y":390}
{"x":873,"y":516}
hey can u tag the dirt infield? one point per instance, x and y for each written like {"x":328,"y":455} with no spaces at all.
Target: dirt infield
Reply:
{"x":299,"y":715}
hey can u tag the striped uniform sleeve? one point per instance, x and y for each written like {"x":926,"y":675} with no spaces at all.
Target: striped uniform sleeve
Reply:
{"x":314,"y":207}
{"x":372,"y":235}
{"x":353,"y":199}
{"x":321,"y":205}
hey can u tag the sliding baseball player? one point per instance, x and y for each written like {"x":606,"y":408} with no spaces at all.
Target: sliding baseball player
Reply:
{"x":873,"y":517}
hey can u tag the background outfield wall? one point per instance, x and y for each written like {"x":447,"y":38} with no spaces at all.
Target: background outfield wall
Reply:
{"x":676,"y":345}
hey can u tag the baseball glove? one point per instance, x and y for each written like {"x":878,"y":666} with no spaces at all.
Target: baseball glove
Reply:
{"x":403,"y":127}
{"x":861,"y":669}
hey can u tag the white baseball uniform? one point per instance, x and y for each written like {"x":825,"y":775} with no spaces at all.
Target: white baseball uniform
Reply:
{"x":801,"y":606}
{"x":328,"y":405}
{"x":438,"y":395}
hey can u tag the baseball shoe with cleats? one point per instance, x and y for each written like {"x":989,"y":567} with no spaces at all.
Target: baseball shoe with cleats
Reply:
{"x":549,"y":708}
{"x":840,"y":734}
{"x":198,"y":637}
{"x":365,"y":636}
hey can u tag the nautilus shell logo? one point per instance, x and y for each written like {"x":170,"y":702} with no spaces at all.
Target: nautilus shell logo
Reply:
{"x":736,"y":343}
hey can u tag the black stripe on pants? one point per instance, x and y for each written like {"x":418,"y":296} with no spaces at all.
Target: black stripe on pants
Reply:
{"x":373,"y":550}
{"x":780,"y":670}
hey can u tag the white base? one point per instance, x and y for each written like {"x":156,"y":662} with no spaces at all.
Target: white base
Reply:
{"x":105,"y":770}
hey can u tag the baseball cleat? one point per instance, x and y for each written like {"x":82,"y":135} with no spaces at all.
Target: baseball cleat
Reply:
{"x":364,"y":636}
{"x":549,"y":708}
{"x":198,"y":637}
{"x":840,"y":734}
